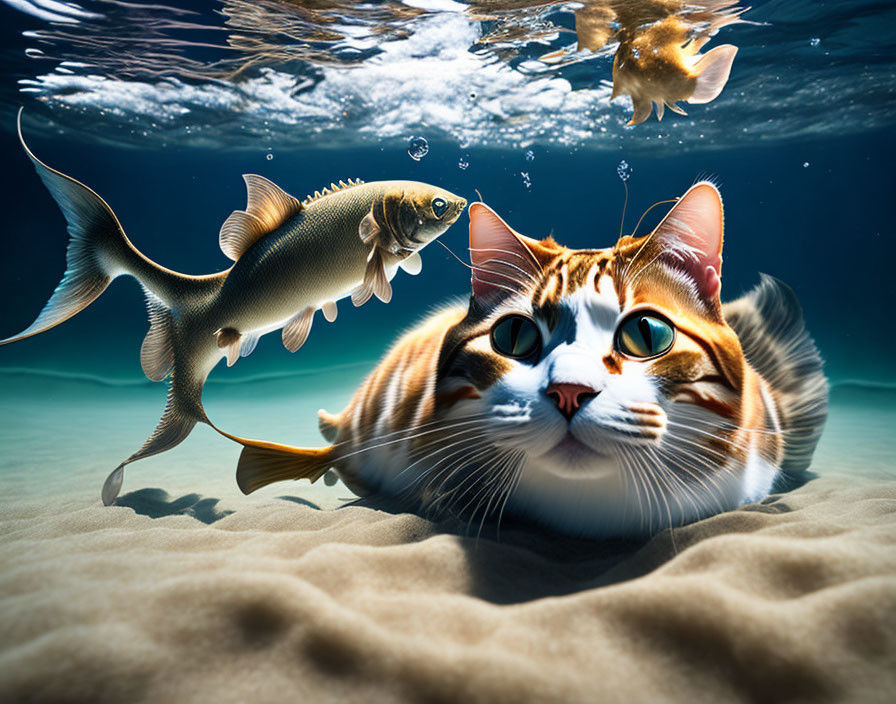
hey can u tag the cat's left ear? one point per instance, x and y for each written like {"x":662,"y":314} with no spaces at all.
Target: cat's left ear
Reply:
{"x":504,"y":261}
{"x":690,"y":237}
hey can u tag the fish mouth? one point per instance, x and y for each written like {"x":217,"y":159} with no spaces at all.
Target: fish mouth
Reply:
{"x":459,"y":206}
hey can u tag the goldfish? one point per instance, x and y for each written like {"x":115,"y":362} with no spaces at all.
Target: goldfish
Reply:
{"x":661,"y":65}
{"x":291,"y":258}
{"x":657,"y":60}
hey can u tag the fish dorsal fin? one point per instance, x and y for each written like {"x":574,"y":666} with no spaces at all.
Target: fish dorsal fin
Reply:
{"x":331,"y":189}
{"x":268,"y":206}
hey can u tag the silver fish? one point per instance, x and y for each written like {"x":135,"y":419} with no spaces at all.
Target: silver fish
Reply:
{"x":291,"y":258}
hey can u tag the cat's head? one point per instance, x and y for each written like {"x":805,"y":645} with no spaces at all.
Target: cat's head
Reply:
{"x":608,"y":377}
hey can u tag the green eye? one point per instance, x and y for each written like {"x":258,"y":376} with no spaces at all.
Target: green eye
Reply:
{"x":515,"y":336}
{"x":643,"y":335}
{"x":439,"y":206}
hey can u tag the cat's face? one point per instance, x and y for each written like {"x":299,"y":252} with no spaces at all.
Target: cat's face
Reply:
{"x":609,"y":374}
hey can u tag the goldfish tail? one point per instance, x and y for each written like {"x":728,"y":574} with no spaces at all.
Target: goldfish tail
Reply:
{"x":262,"y":463}
{"x":712,"y":71}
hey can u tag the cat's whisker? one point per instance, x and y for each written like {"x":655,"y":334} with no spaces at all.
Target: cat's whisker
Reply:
{"x":506,"y":472}
{"x":497,"y":285}
{"x":722,"y":426}
{"x":461,"y":461}
{"x":668,"y":492}
{"x":465,"y":442}
{"x":480,"y":469}
{"x":517,"y":475}
{"x":531,"y":279}
{"x":532,"y":259}
{"x":378,"y":445}
{"x":688,"y":462}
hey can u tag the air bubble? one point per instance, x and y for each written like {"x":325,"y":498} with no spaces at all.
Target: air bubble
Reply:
{"x":814,"y":41}
{"x":462,"y":163}
{"x":805,"y":164}
{"x":268,"y":156}
{"x":418,"y":148}
{"x":623,"y":170}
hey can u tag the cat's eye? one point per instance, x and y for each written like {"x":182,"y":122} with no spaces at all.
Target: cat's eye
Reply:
{"x":644,"y":335}
{"x":516,"y":336}
{"x":439,"y":206}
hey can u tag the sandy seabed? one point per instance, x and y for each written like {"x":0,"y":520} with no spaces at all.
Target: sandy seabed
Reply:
{"x":178,"y":596}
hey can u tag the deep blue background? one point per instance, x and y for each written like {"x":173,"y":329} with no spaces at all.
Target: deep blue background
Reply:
{"x":825,"y":229}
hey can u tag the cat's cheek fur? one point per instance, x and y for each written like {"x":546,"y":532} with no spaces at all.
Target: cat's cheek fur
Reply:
{"x":520,"y":414}
{"x":628,"y":412}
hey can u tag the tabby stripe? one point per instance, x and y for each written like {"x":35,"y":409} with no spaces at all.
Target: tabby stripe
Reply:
{"x":724,"y":380}
{"x":711,"y":404}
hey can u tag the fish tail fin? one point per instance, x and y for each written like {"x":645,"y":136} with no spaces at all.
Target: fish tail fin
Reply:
{"x":98,"y":251}
{"x":262,"y":463}
{"x":712,"y":71}
{"x":183,"y":409}
{"x":94,"y":248}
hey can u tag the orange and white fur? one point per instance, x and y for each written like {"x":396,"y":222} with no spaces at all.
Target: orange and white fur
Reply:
{"x":603,"y":392}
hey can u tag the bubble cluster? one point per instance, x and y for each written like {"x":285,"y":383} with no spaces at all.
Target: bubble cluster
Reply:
{"x":527,"y":182}
{"x":462,"y":163}
{"x":623,"y":170}
{"x":418,"y":148}
{"x":530,"y":155}
{"x":814,"y":41}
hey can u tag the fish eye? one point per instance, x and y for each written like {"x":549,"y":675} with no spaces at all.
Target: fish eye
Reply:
{"x":515,"y":336}
{"x":644,"y":335}
{"x":439,"y":206}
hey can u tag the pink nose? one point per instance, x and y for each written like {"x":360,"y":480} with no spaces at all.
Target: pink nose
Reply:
{"x":569,"y":397}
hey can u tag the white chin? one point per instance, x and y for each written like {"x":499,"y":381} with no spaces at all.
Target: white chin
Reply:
{"x":572,"y":458}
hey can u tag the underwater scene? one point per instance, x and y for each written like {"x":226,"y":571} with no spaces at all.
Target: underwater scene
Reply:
{"x":447,"y":350}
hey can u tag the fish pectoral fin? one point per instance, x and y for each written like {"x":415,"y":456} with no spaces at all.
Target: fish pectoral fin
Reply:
{"x":368,"y":229}
{"x":262,"y":463}
{"x":296,"y":331}
{"x":330,"y":310}
{"x":412,"y":264}
{"x":712,"y":71}
{"x":374,"y":283}
{"x":660,"y":110}
{"x":228,"y":339}
{"x":250,"y":340}
{"x":157,"y":350}
{"x":676,"y":108}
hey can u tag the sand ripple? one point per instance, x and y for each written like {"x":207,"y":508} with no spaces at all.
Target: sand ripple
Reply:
{"x":793,"y":599}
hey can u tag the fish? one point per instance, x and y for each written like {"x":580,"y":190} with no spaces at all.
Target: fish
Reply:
{"x":662,"y":65}
{"x":657,"y":59}
{"x":291,"y":258}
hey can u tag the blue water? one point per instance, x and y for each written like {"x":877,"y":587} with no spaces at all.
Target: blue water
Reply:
{"x":823,"y":228}
{"x":136,"y":101}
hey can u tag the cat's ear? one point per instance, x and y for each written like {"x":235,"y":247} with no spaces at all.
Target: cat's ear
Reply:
{"x":504,"y":262}
{"x":690,"y":238}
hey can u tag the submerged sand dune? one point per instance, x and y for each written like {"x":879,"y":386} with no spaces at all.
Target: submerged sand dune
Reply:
{"x":790,"y":600}
{"x":189,"y":592}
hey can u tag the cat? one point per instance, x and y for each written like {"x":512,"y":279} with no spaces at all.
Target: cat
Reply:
{"x":599,"y":393}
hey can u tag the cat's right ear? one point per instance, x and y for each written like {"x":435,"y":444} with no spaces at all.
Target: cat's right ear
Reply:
{"x":504,"y":262}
